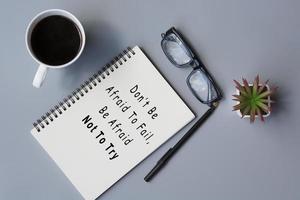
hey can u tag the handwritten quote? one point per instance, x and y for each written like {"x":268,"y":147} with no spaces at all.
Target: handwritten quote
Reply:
{"x":132,"y":116}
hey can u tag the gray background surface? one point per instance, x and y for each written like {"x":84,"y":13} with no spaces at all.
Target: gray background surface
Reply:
{"x":228,"y":158}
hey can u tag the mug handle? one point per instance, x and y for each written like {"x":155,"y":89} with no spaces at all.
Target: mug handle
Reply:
{"x":39,"y":76}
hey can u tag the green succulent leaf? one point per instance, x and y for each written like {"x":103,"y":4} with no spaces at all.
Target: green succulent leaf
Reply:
{"x":246,"y":111}
{"x":263,"y":106}
{"x":239,"y":106}
{"x":255,"y":86}
{"x":247,"y":87}
{"x":262,"y":87}
{"x":241,"y":89}
{"x":252,"y":114}
{"x":267,"y":101}
{"x":265,"y":94}
{"x":239,"y":97}
{"x":260,"y":115}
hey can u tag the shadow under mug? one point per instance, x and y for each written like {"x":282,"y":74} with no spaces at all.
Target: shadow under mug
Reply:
{"x":42,"y":70}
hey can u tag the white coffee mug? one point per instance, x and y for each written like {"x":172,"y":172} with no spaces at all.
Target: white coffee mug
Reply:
{"x":42,"y":70}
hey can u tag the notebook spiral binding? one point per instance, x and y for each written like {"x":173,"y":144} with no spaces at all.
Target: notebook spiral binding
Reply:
{"x":84,"y":88}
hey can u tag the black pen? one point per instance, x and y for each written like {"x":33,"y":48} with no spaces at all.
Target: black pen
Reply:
{"x":166,"y":157}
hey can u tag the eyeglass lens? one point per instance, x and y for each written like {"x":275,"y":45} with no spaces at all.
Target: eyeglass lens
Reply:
{"x":202,"y":86}
{"x":176,"y":50}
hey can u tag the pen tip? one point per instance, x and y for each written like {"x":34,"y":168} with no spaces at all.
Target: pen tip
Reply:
{"x":147,"y":179}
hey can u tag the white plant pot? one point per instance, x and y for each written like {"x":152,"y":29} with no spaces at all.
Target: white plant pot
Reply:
{"x":248,"y":116}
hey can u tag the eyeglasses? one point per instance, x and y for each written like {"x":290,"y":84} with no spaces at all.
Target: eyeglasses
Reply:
{"x":180,"y":54}
{"x":199,"y":81}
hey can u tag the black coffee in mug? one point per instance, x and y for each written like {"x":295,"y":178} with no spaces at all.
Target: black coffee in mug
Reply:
{"x":55,"y":40}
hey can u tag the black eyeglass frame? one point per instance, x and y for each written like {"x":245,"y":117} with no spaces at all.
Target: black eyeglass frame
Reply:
{"x":195,"y":63}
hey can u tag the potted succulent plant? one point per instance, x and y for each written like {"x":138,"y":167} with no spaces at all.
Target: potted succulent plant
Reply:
{"x":253,"y":99}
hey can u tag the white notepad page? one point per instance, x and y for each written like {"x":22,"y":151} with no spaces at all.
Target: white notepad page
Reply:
{"x":114,"y":126}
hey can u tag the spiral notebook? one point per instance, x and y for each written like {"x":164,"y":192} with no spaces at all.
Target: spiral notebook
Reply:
{"x":111,"y":123}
